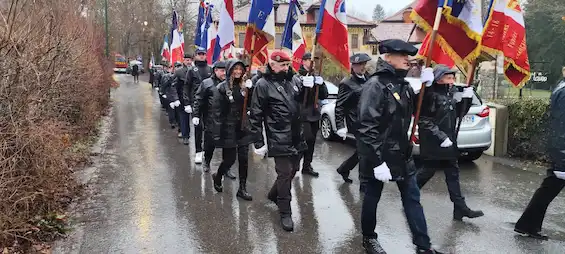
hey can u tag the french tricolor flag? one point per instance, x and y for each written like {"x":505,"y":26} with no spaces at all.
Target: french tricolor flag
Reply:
{"x":260,"y":28}
{"x":165,"y":53}
{"x":176,"y":42}
{"x":226,"y":30}
{"x":209,"y":36}
{"x":331,"y":31}
{"x":292,"y":36}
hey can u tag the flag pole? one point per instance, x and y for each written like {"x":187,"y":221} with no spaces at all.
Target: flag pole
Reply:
{"x":433,"y":36}
{"x":246,"y":96}
{"x":470,"y":78}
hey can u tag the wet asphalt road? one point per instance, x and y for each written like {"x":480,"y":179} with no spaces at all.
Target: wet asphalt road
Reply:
{"x":149,"y":197}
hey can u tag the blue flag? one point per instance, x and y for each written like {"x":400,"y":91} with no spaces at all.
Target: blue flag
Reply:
{"x":199,"y":22}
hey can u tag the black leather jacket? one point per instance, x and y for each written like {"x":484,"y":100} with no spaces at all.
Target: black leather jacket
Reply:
{"x":385,"y":110}
{"x":347,"y":102}
{"x":556,"y":146}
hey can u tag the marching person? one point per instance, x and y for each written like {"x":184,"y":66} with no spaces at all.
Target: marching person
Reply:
{"x":438,"y":138}
{"x":157,"y":84}
{"x":346,"y":107}
{"x":311,"y":112}
{"x":204,"y":110}
{"x":232,"y":131}
{"x":531,"y":220}
{"x":385,"y":110}
{"x":276,"y":105}
{"x":205,"y":72}
{"x":170,"y":96}
{"x":186,"y":78}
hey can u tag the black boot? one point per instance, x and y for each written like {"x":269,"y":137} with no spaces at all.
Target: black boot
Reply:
{"x":372,"y":246}
{"x":217,"y":182}
{"x":185,"y":141}
{"x":345,"y":176}
{"x":427,"y":251}
{"x":464,"y":211}
{"x":230,"y":175}
{"x":308,"y":170}
{"x":206,"y":167}
{"x":531,"y":234}
{"x":242,"y":192}
{"x":287,"y":223}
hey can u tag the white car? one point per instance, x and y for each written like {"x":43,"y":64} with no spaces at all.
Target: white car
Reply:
{"x":473,"y":139}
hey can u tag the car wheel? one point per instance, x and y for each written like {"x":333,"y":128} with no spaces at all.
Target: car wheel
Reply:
{"x":471,"y":156}
{"x":326,"y":128}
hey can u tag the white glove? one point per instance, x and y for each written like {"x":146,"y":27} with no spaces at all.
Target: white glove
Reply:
{"x":446,"y":143}
{"x":248,"y":83}
{"x":195,"y":120}
{"x":188,"y":109}
{"x":458,"y":96}
{"x":261,"y":151}
{"x":177,"y":103}
{"x":342,"y":133}
{"x":467,"y":92}
{"x":318,"y":80}
{"x":308,"y":81}
{"x":156,"y":88}
{"x":172,"y":105}
{"x":164,"y":96}
{"x":427,"y":76}
{"x":559,"y":174}
{"x":382,"y":173}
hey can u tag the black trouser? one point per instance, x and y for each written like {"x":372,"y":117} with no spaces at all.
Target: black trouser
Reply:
{"x":532,"y":218}
{"x":198,"y":133}
{"x":208,"y":152}
{"x":350,"y":163}
{"x":451,"y":170}
{"x":286,"y":167}
{"x":135,"y":77}
{"x":163,"y":100}
{"x":228,"y":159}
{"x":310,"y":133}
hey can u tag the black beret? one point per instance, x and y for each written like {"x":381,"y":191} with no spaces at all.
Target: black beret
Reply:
{"x":307,"y":56}
{"x":177,"y":64}
{"x":397,"y":46}
{"x":359,"y":58}
{"x":220,"y":65}
{"x":187,"y":55}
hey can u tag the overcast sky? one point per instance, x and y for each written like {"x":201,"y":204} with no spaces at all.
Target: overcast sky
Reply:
{"x":366,"y":6}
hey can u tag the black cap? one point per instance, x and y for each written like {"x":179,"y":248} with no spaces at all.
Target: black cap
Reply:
{"x":220,"y":65}
{"x":359,"y":58}
{"x":187,"y":55}
{"x":440,"y":70}
{"x":200,"y":50}
{"x":397,"y":46}
{"x":177,"y":64}
{"x":307,"y":56}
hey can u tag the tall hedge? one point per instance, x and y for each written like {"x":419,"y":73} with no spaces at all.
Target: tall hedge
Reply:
{"x":528,"y":127}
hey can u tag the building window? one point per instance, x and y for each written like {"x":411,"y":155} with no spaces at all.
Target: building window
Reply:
{"x":241,"y":40}
{"x":278,"y":40}
{"x":355,"y":41}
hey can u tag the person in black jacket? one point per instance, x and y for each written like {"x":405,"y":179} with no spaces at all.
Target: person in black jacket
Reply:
{"x":438,"y":141}
{"x":531,"y":220}
{"x":157,"y":85}
{"x":346,"y":107}
{"x":232,"y":131}
{"x":169,"y":95}
{"x":385,"y":110}
{"x":204,"y":72}
{"x":186,"y":78}
{"x":276,"y":105}
{"x":311,"y":112}
{"x":204,"y":111}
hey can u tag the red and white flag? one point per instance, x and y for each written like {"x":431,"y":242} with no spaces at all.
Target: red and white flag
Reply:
{"x":331,"y":31}
{"x":505,"y":33}
{"x":165,"y":53}
{"x":292,"y":36}
{"x":176,"y":43}
{"x":226,"y":30}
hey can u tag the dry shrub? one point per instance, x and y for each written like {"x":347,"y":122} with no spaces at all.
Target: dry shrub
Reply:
{"x":54,"y":87}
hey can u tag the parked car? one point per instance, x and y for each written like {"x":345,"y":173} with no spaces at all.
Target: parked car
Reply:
{"x":474,"y":136}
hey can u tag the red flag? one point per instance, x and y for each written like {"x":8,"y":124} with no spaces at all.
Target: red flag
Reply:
{"x":331,"y":31}
{"x":439,"y":56}
{"x":505,"y":33}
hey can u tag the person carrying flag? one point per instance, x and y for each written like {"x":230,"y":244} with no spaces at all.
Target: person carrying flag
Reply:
{"x":346,"y":107}
{"x":276,"y":105}
{"x":386,"y":105}
{"x":231,"y":131}
{"x":438,"y":138}
{"x":311,"y":111}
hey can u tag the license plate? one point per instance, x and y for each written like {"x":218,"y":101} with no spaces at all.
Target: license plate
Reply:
{"x":468,"y":119}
